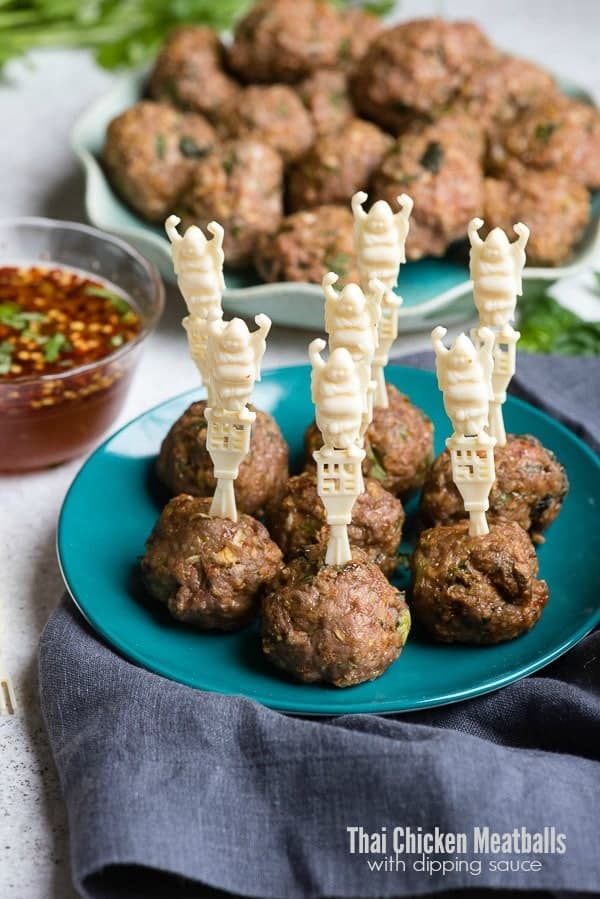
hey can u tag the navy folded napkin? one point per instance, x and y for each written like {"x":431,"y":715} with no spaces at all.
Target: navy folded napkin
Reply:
{"x":173,"y":792}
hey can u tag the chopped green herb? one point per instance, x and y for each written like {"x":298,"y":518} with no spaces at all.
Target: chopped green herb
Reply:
{"x":230,"y":162}
{"x":54,"y":345}
{"x":376,"y":469}
{"x":545,"y":131}
{"x":160,"y":145}
{"x":283,"y":110}
{"x":12,"y":316}
{"x":401,"y":431}
{"x":6,"y":350}
{"x":117,"y":340}
{"x":190,"y":149}
{"x":344,"y":48}
{"x":433,"y":157}
{"x":337,"y":99}
{"x":116,"y":301}
{"x":548,"y":327}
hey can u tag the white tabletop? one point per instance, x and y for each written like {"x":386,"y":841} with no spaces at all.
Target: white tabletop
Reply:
{"x":39,"y":176}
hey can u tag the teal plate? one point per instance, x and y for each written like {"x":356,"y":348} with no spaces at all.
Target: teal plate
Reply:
{"x":112,"y":507}
{"x":427,"y":286}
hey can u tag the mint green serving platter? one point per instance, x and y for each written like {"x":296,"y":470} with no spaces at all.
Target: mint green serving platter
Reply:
{"x":427,"y":286}
{"x":113,"y":504}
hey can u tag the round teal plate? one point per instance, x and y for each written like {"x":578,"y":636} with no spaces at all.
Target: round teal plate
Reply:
{"x":114,"y":503}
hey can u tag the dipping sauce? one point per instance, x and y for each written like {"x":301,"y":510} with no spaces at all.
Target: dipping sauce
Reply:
{"x":63,"y":377}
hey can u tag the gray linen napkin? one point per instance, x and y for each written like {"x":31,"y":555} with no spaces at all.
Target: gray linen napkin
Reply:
{"x":170,"y":790}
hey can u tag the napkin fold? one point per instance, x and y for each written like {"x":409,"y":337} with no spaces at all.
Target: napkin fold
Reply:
{"x":173,"y":792}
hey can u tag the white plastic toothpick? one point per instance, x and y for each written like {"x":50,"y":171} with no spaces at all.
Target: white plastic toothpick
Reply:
{"x":379,"y":242}
{"x":351,"y":319}
{"x":234,"y":357}
{"x":496,"y":271}
{"x":335,"y":387}
{"x":464,"y":377}
{"x":198,"y":264}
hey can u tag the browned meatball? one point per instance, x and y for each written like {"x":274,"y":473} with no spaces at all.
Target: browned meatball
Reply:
{"x":238,"y":185}
{"x":307,"y":245}
{"x":284,"y":40}
{"x":325,"y":95}
{"x":497,"y":94}
{"x":298,"y":521}
{"x":415,"y":69}
{"x":273,"y":114}
{"x":208,"y":571}
{"x":341,"y":625}
{"x":561,"y":134}
{"x":476,"y":589}
{"x":184,"y":464}
{"x":438,"y":165}
{"x":398,"y":442}
{"x":150,"y":153}
{"x":188,"y":71}
{"x":360,"y":29}
{"x":337,"y":166}
{"x":530,"y":487}
{"x":555,"y":207}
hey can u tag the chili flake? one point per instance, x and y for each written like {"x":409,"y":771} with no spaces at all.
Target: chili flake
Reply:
{"x":53,"y":319}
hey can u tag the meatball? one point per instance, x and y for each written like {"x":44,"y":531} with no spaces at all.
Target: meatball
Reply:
{"x":415,"y":69}
{"x":285,"y":40}
{"x":360,"y":29}
{"x":325,"y":95}
{"x":239,"y":185}
{"x":529,"y":489}
{"x":307,"y":245}
{"x":274,"y":115}
{"x":208,"y":571}
{"x":555,"y":207}
{"x":398,"y":443}
{"x":337,"y":165}
{"x":150,"y":153}
{"x":561,"y":134}
{"x":438,"y":165}
{"x":298,"y":521}
{"x":497,"y":94}
{"x":184,"y":464}
{"x":188,"y":71}
{"x":341,"y":625}
{"x":476,"y":589}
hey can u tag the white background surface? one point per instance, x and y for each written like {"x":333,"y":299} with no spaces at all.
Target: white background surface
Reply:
{"x":38,"y":176}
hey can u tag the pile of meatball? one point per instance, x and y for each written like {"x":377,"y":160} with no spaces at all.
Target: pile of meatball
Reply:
{"x":273,"y":134}
{"x":346,"y":624}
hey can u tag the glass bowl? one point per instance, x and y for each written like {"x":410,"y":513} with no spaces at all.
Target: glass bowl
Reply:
{"x":50,"y":418}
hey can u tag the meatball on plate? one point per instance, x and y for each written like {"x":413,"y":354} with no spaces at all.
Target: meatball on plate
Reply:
{"x":481,"y":616}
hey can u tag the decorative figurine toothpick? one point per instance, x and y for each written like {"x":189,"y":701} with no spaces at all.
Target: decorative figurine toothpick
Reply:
{"x":335,"y":387}
{"x":233,"y":360}
{"x":379,"y":241}
{"x":198,"y":264}
{"x":464,"y":377}
{"x":496,"y":268}
{"x":351,"y":319}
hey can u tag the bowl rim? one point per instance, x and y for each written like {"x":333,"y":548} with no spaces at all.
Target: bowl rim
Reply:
{"x":49,"y":224}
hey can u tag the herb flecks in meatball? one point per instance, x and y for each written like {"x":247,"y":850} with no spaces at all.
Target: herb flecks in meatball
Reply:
{"x":238,"y":185}
{"x":208,"y":571}
{"x":307,"y":245}
{"x":150,"y":153}
{"x":337,"y":165}
{"x":398,"y":444}
{"x":189,"y":72}
{"x":530,"y":487}
{"x":184,"y":464}
{"x":298,"y":521}
{"x":338,"y":625}
{"x":480,"y":590}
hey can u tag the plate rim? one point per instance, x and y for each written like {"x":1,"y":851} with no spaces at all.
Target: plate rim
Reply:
{"x":94,"y":172}
{"x":333,"y":707}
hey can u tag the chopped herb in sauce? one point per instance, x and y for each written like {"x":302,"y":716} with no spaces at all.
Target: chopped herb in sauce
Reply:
{"x":54,"y":319}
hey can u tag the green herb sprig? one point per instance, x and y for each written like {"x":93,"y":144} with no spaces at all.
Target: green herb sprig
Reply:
{"x":548,"y":327}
